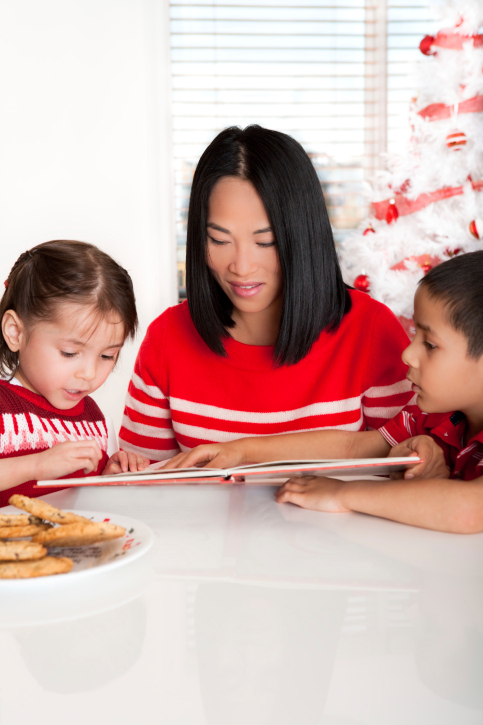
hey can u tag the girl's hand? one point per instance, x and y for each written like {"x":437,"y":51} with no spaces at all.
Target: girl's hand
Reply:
{"x":313,"y":492}
{"x":122,"y":462}
{"x":65,"y":458}
{"x":214,"y":455}
{"x":433,"y":463}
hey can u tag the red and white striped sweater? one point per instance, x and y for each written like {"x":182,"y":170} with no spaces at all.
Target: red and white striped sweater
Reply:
{"x":182,"y":394}
{"x":29,"y":424}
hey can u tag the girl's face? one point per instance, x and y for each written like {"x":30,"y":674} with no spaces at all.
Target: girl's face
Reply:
{"x":68,"y":358}
{"x":241,"y":250}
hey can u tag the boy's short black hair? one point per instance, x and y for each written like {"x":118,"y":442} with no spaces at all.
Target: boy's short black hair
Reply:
{"x":458,"y":283}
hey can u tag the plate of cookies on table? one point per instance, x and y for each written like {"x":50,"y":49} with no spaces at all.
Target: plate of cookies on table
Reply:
{"x":38,"y":540}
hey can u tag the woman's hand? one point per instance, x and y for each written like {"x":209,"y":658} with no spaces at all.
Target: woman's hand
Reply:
{"x":313,"y":492}
{"x":65,"y":458}
{"x":212,"y":455}
{"x":123,"y":461}
{"x":433,"y":463}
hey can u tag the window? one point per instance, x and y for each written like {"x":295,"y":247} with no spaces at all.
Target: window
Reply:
{"x":332,"y":74}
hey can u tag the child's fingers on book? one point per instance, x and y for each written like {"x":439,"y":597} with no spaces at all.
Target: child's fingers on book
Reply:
{"x":135,"y":462}
{"x":87,"y":465}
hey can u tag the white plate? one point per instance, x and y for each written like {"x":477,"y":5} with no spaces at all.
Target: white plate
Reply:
{"x":103,"y":576}
{"x":95,"y":559}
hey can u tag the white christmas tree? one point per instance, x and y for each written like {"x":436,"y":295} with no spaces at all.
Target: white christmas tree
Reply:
{"x":428,"y":206}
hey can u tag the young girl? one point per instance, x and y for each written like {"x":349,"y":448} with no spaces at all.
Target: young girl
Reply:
{"x":270,"y":340}
{"x":66,"y":311}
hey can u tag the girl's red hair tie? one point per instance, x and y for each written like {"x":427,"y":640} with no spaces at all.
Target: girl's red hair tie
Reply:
{"x":6,"y":283}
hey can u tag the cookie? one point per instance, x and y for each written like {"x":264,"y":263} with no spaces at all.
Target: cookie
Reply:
{"x":20,"y":550}
{"x":41,"y":567}
{"x":44,"y":511}
{"x":79,"y":534}
{"x":18,"y":520}
{"x":19,"y":532}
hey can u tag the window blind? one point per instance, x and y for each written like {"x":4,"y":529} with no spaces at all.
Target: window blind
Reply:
{"x":407,"y":23}
{"x":317,"y":70}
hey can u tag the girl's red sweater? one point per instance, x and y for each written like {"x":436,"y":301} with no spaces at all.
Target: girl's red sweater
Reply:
{"x":29,"y":424}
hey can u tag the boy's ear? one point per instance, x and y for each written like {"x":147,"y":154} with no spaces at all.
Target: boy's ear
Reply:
{"x":12,"y":330}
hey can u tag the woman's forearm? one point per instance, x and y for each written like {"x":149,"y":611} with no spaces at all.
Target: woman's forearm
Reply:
{"x":440,"y":504}
{"x":314,"y":445}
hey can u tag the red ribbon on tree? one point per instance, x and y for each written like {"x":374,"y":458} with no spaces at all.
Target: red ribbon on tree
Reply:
{"x":437,"y":111}
{"x":379,"y":209}
{"x":448,"y":39}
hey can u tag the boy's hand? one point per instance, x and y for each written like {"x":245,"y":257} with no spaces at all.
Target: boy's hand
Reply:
{"x":433,"y":464}
{"x":313,"y":492}
{"x":214,"y":455}
{"x":122,"y":462}
{"x":65,"y":458}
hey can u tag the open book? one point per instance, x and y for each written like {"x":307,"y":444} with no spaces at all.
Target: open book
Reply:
{"x":257,"y":473}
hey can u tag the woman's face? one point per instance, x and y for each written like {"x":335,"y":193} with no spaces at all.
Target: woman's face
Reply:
{"x":241,"y":251}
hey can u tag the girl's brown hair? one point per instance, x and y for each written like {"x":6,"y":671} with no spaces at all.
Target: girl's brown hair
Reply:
{"x":68,"y":271}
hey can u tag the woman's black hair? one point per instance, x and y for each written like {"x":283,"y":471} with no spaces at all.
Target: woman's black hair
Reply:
{"x":65,"y":270}
{"x":315,"y":297}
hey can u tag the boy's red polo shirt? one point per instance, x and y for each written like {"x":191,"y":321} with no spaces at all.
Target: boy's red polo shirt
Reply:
{"x":447,"y":429}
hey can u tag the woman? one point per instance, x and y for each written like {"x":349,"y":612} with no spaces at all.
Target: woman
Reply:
{"x":270,"y":340}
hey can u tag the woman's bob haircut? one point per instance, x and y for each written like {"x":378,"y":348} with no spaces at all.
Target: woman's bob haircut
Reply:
{"x":315,"y":297}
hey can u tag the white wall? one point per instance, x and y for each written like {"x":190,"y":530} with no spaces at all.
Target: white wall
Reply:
{"x":85,"y":142}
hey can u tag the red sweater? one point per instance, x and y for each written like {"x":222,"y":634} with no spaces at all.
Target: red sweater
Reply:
{"x":183,"y":394}
{"x":29,"y":424}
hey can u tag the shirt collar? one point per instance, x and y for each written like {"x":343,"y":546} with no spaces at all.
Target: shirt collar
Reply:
{"x":449,"y":428}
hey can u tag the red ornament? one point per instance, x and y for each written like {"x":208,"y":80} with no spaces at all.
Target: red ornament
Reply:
{"x":452,"y":252}
{"x":362,"y":283}
{"x":425,"y":45}
{"x":424,"y":262}
{"x":456,"y":140}
{"x":369,"y":230}
{"x":392,"y":212}
{"x":476,"y":228}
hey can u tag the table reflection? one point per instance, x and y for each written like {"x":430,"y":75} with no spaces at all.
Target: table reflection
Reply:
{"x":84,"y":654}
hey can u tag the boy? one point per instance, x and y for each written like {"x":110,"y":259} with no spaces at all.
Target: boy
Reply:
{"x":445,"y":362}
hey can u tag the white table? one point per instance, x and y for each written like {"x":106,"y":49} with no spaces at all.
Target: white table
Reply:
{"x":259,"y":614}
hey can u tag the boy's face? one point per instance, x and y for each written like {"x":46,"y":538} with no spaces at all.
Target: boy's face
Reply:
{"x":442,"y":374}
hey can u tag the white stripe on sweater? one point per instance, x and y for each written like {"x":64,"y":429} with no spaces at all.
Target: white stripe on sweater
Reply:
{"x":380,"y":391}
{"x":152,"y":390}
{"x":152,"y":453}
{"x":142,"y":429}
{"x":283,"y":416}
{"x":221,"y":436}
{"x":386,"y":413}
{"x":152,"y":411}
